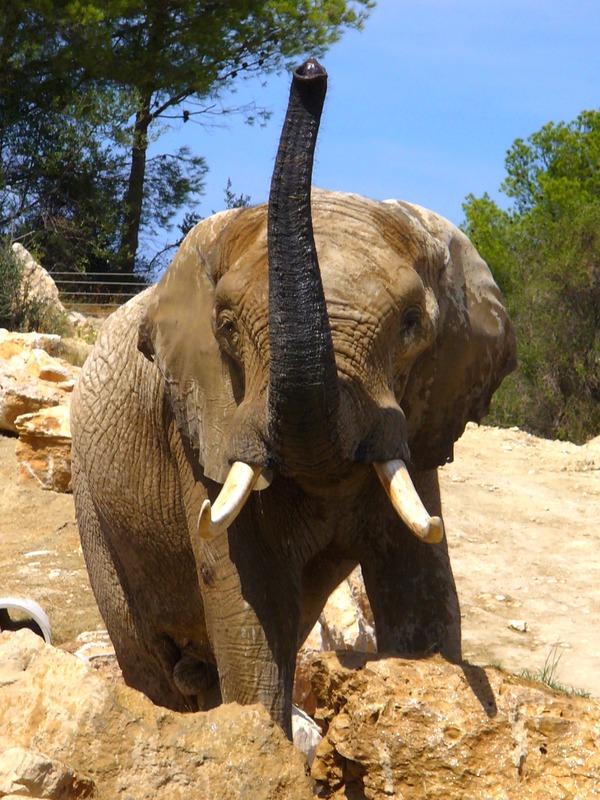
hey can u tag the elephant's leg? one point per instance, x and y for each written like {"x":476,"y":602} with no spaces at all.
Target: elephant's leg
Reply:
{"x":320,"y":577}
{"x":251,"y":601}
{"x":411,"y":587}
{"x":147,"y":663}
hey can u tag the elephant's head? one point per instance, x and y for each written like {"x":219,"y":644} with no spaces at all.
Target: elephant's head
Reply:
{"x":318,"y":335}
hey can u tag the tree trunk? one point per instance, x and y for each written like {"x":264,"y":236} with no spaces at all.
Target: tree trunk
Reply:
{"x":135,"y":189}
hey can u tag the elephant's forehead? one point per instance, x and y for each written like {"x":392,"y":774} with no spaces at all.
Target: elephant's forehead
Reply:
{"x":349,"y":262}
{"x":362,"y":250}
{"x":355,"y":266}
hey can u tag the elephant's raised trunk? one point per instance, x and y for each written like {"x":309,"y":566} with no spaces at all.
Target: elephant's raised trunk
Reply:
{"x":303,"y":385}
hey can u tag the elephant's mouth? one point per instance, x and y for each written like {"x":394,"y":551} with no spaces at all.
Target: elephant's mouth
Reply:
{"x":395,"y":479}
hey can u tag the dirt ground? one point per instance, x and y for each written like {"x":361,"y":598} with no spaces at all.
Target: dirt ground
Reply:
{"x":520,"y":516}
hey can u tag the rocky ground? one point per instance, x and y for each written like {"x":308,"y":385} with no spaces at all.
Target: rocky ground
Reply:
{"x":520,"y":515}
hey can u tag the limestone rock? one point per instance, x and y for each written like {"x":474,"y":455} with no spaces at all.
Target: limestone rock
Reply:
{"x":92,"y":645}
{"x":31,"y":378}
{"x":44,"y":448}
{"x":13,"y":343}
{"x":96,"y":649}
{"x":28,"y":773}
{"x":21,"y":389}
{"x":37,"y":282}
{"x":306,"y":734}
{"x":113,"y":742}
{"x":429,"y":729}
{"x":344,"y":624}
{"x":35,"y":394}
{"x":18,"y":397}
{"x":44,"y":367}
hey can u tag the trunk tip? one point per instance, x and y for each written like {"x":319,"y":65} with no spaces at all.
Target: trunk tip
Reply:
{"x":310,"y":70}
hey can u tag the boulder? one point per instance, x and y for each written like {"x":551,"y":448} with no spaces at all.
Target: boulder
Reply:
{"x":29,"y":773}
{"x":415,"y":729}
{"x":37,"y":282}
{"x":96,"y":649}
{"x":35,"y":394}
{"x":408,"y":729}
{"x":44,"y":448}
{"x":70,"y":734}
{"x":306,"y":734}
{"x":50,"y":369}
{"x":31,"y":376}
{"x":345,"y":624}
{"x":13,"y":343}
{"x":20,"y":396}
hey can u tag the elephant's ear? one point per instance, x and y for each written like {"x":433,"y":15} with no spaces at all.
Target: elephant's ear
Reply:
{"x":176,"y":332}
{"x":474,"y":349}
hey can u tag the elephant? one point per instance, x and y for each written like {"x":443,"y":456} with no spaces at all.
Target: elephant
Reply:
{"x":272,"y":413}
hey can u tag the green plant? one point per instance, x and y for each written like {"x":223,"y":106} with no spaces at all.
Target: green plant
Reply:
{"x":548,"y":674}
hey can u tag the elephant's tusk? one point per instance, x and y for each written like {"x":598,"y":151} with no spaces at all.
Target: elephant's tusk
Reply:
{"x":215,"y":519}
{"x":401,"y":491}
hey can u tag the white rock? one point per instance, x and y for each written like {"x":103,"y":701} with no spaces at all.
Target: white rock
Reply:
{"x":518,"y":625}
{"x":52,"y":423}
{"x":35,"y":393}
{"x":18,"y":397}
{"x":94,"y":644}
{"x":306,"y":733}
{"x":45,"y":367}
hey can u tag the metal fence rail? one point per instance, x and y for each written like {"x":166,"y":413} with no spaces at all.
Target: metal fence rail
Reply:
{"x":96,"y":291}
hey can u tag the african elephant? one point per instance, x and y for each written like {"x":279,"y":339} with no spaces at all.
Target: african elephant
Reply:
{"x":324,"y":350}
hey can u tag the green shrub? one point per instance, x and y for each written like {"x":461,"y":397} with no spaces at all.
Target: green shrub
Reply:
{"x":545,"y":255}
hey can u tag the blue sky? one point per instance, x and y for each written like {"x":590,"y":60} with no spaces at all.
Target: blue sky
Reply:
{"x":423,"y":103}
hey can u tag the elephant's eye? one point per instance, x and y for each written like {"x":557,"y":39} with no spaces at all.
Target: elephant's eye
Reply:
{"x":411,"y":319}
{"x":227,"y":334}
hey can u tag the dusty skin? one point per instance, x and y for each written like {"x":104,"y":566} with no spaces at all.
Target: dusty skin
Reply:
{"x":521,"y":517}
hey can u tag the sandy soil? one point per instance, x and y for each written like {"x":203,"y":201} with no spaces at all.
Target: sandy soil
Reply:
{"x":520,"y":515}
{"x":40,"y":556}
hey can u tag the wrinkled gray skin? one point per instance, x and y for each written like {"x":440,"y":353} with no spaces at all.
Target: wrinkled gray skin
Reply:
{"x":313,"y":368}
